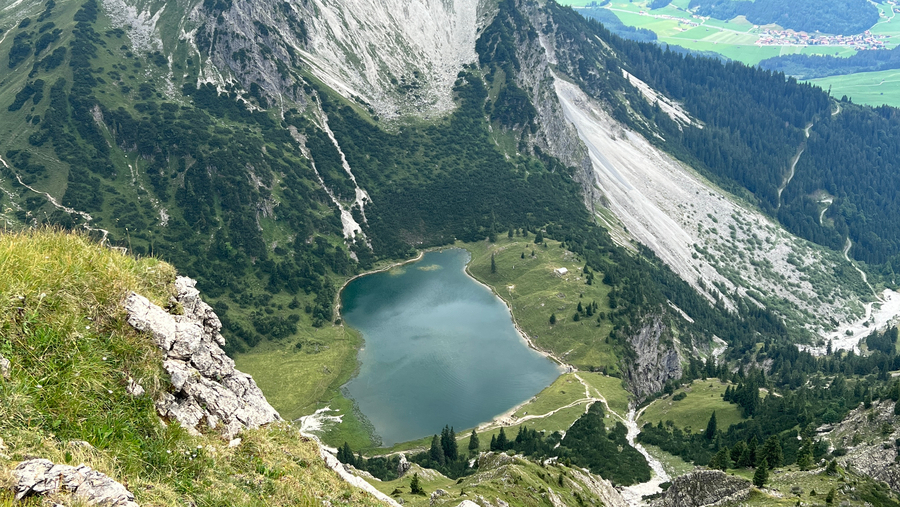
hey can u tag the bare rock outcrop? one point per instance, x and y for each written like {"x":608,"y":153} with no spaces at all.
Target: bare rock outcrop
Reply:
{"x":207,"y":387}
{"x":4,"y":367}
{"x":869,"y":435}
{"x":655,"y":361}
{"x":43,"y":477}
{"x":702,"y":488}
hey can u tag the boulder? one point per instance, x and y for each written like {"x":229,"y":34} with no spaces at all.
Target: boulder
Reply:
{"x":4,"y":367}
{"x":206,"y":385}
{"x":43,"y":477}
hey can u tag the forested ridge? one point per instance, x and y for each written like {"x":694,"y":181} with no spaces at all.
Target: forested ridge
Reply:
{"x":814,"y":66}
{"x":752,"y":123}
{"x":846,"y":17}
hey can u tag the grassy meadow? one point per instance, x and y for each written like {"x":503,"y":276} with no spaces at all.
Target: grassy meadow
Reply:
{"x":703,"y":397}
{"x":525,"y":279}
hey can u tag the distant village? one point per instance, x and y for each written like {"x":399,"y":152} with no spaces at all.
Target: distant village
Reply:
{"x":863,"y":41}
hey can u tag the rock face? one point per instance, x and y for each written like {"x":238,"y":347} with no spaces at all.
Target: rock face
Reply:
{"x":43,"y":477}
{"x":875,"y":432}
{"x":206,"y":385}
{"x":655,"y":362}
{"x":704,"y":488}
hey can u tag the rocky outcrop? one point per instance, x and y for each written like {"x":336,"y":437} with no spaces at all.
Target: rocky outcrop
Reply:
{"x":206,"y":386}
{"x":43,"y":477}
{"x":599,"y":487}
{"x":704,"y":488}
{"x":655,"y":360}
{"x":4,"y":367}
{"x":869,"y":435}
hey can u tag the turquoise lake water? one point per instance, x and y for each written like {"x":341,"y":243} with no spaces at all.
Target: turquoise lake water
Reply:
{"x":440,"y":348}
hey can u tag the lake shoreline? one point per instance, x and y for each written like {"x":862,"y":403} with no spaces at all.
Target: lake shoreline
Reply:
{"x":560,"y":366}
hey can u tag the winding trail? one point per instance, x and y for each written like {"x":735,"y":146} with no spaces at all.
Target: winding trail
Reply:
{"x":796,"y":159}
{"x":827,"y":201}
{"x":52,"y":200}
{"x":862,"y":273}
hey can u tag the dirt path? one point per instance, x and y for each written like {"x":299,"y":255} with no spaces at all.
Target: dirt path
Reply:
{"x":794,"y":161}
{"x":52,"y":200}
{"x":862,"y":273}
{"x":827,"y":201}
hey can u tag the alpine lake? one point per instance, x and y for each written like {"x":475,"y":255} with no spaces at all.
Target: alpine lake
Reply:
{"x":440,"y":349}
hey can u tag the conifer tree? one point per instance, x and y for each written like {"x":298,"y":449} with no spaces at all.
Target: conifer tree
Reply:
{"x":493,"y":446}
{"x":473,"y":441}
{"x":436,"y":453}
{"x":552,"y":319}
{"x":414,"y":486}
{"x":721,"y":461}
{"x":772,"y":453}
{"x":829,"y":498}
{"x":711,"y":427}
{"x":502,"y":441}
{"x":761,"y":476}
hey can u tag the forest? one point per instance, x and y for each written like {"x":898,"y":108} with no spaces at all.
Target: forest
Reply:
{"x":587,"y":443}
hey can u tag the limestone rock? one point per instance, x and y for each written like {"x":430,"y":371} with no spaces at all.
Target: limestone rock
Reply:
{"x":403,"y":466}
{"x":42,"y":477}
{"x":437,"y":494}
{"x":656,"y":361}
{"x":206,"y":385}
{"x":4,"y":367}
{"x":871,"y":449}
{"x":704,"y":488}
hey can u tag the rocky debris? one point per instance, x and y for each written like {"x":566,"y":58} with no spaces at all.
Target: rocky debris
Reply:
{"x":655,"y":363}
{"x":468,"y":503}
{"x":4,"y":367}
{"x":704,"y":488}
{"x":206,"y":385}
{"x":43,"y":477}
{"x":869,"y":436}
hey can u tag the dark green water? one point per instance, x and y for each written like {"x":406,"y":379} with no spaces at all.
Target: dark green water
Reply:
{"x":440,"y":349}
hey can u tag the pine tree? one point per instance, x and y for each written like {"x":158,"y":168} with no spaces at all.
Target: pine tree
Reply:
{"x":721,"y":461}
{"x":580,"y":308}
{"x":436,"y":453}
{"x":493,"y":264}
{"x":829,"y":498}
{"x":539,"y":237}
{"x":772,"y":453}
{"x":761,"y":476}
{"x":473,"y":441}
{"x":552,"y":319}
{"x":448,"y":444}
{"x":751,"y":448}
{"x":711,"y":427}
{"x":510,"y":233}
{"x":502,"y":441}
{"x":414,"y":486}
{"x":831,"y":469}
{"x":493,"y":446}
{"x":523,"y":255}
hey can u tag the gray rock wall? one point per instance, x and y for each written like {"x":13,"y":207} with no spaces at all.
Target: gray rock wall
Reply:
{"x":207,"y":389}
{"x":655,"y":360}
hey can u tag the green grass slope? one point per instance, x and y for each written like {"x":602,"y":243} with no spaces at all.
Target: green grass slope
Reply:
{"x":62,"y":327}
